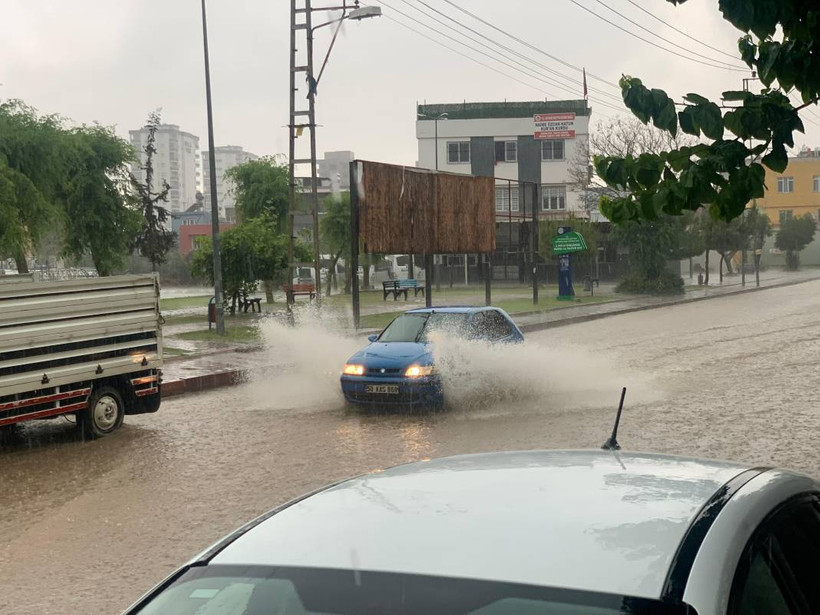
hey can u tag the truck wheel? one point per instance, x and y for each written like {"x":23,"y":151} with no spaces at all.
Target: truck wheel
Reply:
{"x":104,"y":413}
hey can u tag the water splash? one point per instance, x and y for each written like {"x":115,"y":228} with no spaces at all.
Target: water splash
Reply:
{"x":309,"y":356}
{"x":477,"y":374}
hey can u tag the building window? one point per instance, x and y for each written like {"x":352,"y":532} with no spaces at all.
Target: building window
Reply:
{"x":506,"y":151}
{"x":553,"y":198}
{"x":552,"y":149}
{"x":506,"y":199}
{"x":785,"y":215}
{"x":458,"y":152}
{"x":816,"y":183}
{"x":785,"y":184}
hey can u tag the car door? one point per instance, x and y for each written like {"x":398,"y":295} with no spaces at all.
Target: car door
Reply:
{"x":779,"y":571}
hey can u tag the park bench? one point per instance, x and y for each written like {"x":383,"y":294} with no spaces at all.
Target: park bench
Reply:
{"x":245,"y":302}
{"x":397,"y":287}
{"x":307,"y":290}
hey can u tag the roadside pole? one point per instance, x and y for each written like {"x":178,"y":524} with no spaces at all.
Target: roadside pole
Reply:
{"x":534,"y":244}
{"x":353,"y":270}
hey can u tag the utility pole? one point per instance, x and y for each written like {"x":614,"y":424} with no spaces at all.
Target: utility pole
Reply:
{"x":746,"y":82}
{"x":295,"y":128}
{"x":219,"y":307}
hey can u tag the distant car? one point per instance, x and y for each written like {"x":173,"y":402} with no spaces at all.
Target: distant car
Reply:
{"x":397,"y":366}
{"x":536,"y":532}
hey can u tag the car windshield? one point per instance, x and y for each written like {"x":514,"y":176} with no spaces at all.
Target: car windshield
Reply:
{"x":257,"y":590}
{"x":416,"y":327}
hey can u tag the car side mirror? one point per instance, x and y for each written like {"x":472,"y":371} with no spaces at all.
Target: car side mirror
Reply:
{"x":372,"y":338}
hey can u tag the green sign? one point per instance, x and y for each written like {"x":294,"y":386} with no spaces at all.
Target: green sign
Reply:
{"x":568,"y":243}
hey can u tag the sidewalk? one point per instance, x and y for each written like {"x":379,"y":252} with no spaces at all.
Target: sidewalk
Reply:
{"x":217,"y":364}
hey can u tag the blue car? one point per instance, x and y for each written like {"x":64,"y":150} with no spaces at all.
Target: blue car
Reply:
{"x":396,"y":368}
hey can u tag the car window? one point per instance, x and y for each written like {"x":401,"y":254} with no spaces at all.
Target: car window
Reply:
{"x":263,"y":590}
{"x":491,"y":325}
{"x":405,"y":328}
{"x":779,"y":572}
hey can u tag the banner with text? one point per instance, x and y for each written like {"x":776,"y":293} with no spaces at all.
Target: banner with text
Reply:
{"x":554,"y":125}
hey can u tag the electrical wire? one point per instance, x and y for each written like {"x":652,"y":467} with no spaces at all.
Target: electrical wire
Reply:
{"x":506,"y":48}
{"x":527,"y":72}
{"x":464,"y":55}
{"x":675,"y":53}
{"x":531,"y":46}
{"x":666,"y":23}
{"x":674,"y":44}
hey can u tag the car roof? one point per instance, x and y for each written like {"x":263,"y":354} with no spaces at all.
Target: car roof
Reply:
{"x":451,"y":309}
{"x":587,"y":520}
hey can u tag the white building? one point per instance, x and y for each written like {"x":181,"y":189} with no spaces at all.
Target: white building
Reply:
{"x":335,"y":166}
{"x":533,"y":142}
{"x":175,"y":161}
{"x":226,"y":157}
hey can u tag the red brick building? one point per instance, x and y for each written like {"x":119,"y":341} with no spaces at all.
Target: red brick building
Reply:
{"x":191,"y":234}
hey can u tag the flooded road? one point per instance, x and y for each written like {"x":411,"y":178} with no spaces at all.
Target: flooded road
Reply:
{"x":86,"y":527}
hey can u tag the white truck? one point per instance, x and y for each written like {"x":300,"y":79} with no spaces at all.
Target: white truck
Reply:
{"x":88,"y":347}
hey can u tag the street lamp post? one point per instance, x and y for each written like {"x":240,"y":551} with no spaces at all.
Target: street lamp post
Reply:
{"x":356,"y":13}
{"x":217,"y":262}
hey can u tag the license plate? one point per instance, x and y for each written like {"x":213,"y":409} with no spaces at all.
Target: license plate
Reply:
{"x":388,"y":389}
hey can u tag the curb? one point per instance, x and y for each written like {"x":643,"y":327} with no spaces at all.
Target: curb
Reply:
{"x":541,"y":326}
{"x":195,"y":384}
{"x":231,"y":377}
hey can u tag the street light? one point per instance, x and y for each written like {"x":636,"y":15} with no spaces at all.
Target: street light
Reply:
{"x":428,"y":299}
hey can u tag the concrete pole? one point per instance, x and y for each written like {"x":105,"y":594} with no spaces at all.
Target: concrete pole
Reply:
{"x":220,"y":312}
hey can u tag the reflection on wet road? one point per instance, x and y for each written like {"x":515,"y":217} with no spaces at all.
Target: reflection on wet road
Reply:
{"x":86,"y":527}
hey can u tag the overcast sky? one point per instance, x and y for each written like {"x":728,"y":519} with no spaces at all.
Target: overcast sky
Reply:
{"x":114,"y":61}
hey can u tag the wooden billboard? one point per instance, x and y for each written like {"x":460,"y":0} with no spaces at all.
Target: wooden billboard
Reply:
{"x":406,"y":210}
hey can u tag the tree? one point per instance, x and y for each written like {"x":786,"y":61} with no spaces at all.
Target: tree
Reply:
{"x":616,"y":137}
{"x":250,"y":252}
{"x":757,"y":227}
{"x":794,"y":235}
{"x":725,"y":238}
{"x":335,"y":228}
{"x":99,"y":219}
{"x":781,"y":43}
{"x":153,"y":240}
{"x":261,"y":188}
{"x":32,"y":172}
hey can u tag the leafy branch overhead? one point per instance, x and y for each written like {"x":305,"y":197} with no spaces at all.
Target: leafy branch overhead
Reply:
{"x":722,"y":172}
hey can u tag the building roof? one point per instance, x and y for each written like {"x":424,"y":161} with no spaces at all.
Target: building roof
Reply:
{"x":486,"y":110}
{"x":587,"y":520}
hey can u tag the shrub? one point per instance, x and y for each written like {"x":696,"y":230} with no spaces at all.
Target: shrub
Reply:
{"x":666,"y":283}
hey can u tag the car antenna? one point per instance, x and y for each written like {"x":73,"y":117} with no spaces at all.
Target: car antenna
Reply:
{"x":612,"y":443}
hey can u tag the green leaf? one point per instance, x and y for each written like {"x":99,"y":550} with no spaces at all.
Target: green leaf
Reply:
{"x":710,"y":120}
{"x":688,"y":124}
{"x":733,"y":120}
{"x":777,"y":159}
{"x":731,"y":95}
{"x":695,"y":99}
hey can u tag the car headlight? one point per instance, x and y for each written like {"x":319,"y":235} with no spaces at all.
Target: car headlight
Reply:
{"x":352,"y":369}
{"x":417,"y":371}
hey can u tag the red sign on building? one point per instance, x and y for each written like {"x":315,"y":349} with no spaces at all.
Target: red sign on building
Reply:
{"x":554,"y":125}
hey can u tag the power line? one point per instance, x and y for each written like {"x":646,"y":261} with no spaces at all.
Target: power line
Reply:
{"x":505,"y":47}
{"x":530,"y":46}
{"x":675,"y":53}
{"x":526,"y":71}
{"x":666,"y":23}
{"x":464,"y":55}
{"x":695,"y":53}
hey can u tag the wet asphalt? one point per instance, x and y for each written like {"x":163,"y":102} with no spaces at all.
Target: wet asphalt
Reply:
{"x":87,"y":527}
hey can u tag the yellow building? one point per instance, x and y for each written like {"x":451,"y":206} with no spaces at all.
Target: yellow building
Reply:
{"x":794,"y":192}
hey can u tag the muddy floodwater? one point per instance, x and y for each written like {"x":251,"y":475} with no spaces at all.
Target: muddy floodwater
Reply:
{"x":87,"y":527}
